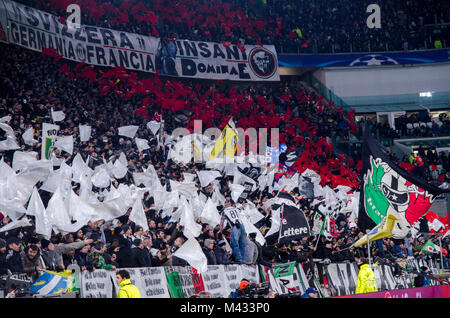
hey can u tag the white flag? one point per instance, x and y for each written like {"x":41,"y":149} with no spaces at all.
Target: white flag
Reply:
{"x":64,"y":143}
{"x":101,"y":178}
{"x":27,"y":137}
{"x":57,"y":212}
{"x":206,"y":177}
{"x":58,"y":115}
{"x":141,"y":144}
{"x":153,"y":126}
{"x":10,"y":143}
{"x":191,"y":228}
{"x":210,"y":214}
{"x":137,"y":214}
{"x":37,"y":209}
{"x":120,"y":167}
{"x":236,"y":191}
{"x":128,"y":131}
{"x":16,"y":224}
{"x":192,"y":253}
{"x":23,"y":159}
{"x":85,"y":132}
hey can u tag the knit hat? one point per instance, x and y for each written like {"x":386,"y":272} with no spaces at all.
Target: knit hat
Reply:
{"x":2,"y":243}
{"x":208,"y":242}
{"x":117,"y":230}
{"x":221,"y":243}
{"x":12,"y":240}
{"x":137,"y":242}
{"x":45,"y":243}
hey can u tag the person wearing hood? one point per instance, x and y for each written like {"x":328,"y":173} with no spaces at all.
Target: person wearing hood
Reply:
{"x":366,"y":278}
{"x":3,"y":263}
{"x":31,"y":261}
{"x":13,"y":258}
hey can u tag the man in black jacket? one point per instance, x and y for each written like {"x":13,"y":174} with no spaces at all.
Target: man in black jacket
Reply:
{"x":209,"y":253}
{"x":141,"y":255}
{"x":125,"y":257}
{"x":3,"y":263}
{"x":220,"y":252}
{"x":13,"y":258}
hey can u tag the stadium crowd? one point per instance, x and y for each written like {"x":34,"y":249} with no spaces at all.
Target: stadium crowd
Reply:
{"x":292,"y":26}
{"x":31,"y":84}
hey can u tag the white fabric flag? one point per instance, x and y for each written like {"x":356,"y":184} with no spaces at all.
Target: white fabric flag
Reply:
{"x":137,"y":214}
{"x":85,"y":132}
{"x":276,"y":222}
{"x":5,"y":119}
{"x":191,"y":228}
{"x":250,"y":228}
{"x":23,"y":159}
{"x":64,"y":143}
{"x":120,"y":167}
{"x":27,"y":137}
{"x":188,"y":177}
{"x":58,"y":115}
{"x":79,"y":210}
{"x":192,"y":253}
{"x":210,"y":214}
{"x":128,"y":131}
{"x":80,"y":169}
{"x":141,"y":144}
{"x":206,"y":177}
{"x":10,"y":143}
{"x":16,"y":224}
{"x":57,"y":212}
{"x":153,"y":126}
{"x":101,"y":178}
{"x":236,"y":191}
{"x":37,"y":209}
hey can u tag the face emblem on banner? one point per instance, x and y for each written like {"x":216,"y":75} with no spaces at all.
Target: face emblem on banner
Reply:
{"x":262,"y":62}
{"x":81,"y":52}
{"x":386,"y":191}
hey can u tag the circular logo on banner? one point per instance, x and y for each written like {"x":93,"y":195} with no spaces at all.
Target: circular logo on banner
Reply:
{"x":262,"y":62}
{"x":81,"y":52}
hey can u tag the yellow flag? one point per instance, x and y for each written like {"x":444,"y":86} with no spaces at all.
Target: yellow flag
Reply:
{"x":299,"y":32}
{"x":382,"y":230}
{"x":196,"y":153}
{"x":226,"y":144}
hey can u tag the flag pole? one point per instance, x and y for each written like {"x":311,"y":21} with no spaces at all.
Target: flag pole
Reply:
{"x":442,"y":258}
{"x":368,"y":250}
{"x":281,"y":224}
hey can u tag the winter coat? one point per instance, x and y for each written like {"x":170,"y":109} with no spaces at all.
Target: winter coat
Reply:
{"x":14,"y":261}
{"x":366,"y":280}
{"x":83,"y":259}
{"x":54,"y":258}
{"x":99,"y":261}
{"x":210,"y":256}
{"x":3,"y":264}
{"x":128,"y":290}
{"x":221,"y":256}
{"x":251,"y":253}
{"x":125,"y":257}
{"x":29,"y":265}
{"x":141,"y":257}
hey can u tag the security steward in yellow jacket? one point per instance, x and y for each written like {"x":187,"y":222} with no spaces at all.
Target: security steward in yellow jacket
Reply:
{"x":366,"y":278}
{"x":127,"y":290}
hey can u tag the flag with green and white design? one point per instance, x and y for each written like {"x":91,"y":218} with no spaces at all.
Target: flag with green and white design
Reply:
{"x":430,"y":247}
{"x":385,"y":187}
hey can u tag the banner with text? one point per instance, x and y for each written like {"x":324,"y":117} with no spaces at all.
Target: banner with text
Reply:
{"x":35,"y":29}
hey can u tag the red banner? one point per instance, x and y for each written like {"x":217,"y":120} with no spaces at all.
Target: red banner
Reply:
{"x":442,"y":291}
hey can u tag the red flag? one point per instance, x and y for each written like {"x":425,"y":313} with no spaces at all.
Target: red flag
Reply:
{"x":240,"y":46}
{"x":306,"y":44}
{"x":52,"y":52}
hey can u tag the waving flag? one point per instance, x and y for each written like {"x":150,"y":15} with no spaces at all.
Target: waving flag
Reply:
{"x":386,"y":188}
{"x":51,"y":283}
{"x":226,"y":144}
{"x":430,"y":247}
{"x":382,"y":230}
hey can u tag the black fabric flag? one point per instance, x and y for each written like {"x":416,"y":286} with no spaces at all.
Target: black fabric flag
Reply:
{"x":293,"y":224}
{"x":385,"y":187}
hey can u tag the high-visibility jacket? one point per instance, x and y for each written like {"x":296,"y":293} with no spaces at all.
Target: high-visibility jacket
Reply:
{"x":128,"y":290}
{"x":366,"y":280}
